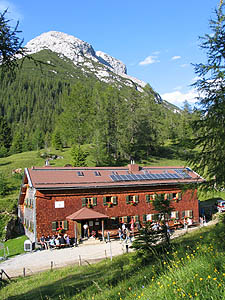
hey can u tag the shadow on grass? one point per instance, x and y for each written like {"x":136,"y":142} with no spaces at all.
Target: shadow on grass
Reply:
{"x":5,"y":163}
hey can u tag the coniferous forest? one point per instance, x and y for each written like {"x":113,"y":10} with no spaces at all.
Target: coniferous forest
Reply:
{"x":59,"y":105}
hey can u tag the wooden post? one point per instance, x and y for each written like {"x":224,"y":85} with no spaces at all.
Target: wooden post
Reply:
{"x":79,"y":260}
{"x":24,"y":272}
{"x":105,"y":254}
{"x":103,"y":235}
{"x":51,"y":265}
{"x":75,"y":232}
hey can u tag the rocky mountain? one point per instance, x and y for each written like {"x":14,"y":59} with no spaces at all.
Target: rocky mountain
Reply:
{"x":105,"y":67}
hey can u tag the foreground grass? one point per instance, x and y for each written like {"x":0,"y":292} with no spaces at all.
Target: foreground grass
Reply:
{"x":194,"y":267}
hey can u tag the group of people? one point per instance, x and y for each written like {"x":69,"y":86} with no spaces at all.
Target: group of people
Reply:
{"x":55,"y":241}
{"x":124,"y":234}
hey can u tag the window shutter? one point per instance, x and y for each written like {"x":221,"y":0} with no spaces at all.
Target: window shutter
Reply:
{"x":65,"y":225}
{"x":183,"y":214}
{"x":190,"y":213}
{"x":94,"y":201}
{"x":84,"y":202}
{"x":136,"y":218}
{"x":136,"y":198}
{"x":177,"y":214}
{"x":54,"y":226}
{"x":144,"y":217}
{"x":104,"y":201}
{"x":179,"y":196}
{"x":127,"y":199}
{"x":147,"y":198}
{"x":114,"y":200}
{"x":128,"y":219}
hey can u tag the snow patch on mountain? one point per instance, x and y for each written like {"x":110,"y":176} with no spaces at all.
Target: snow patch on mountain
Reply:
{"x":80,"y":52}
{"x":117,"y":65}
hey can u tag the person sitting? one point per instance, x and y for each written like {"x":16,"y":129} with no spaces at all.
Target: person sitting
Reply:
{"x":67,"y":239}
{"x":62,"y":241}
{"x":57,"y":244}
{"x":43,"y":242}
{"x":93,"y":233}
{"x":52,"y":242}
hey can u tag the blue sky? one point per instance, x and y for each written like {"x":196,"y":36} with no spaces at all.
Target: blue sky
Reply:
{"x":157,"y":40}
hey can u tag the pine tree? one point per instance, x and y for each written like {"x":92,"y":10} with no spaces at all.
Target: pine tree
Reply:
{"x":56,"y":140}
{"x":210,"y":128}
{"x":5,"y":134}
{"x":10,"y":45}
{"x":146,"y":241}
{"x":78,"y":156}
{"x":162,"y":205}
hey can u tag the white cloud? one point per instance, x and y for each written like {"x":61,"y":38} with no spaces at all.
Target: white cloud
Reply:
{"x":177,"y":98}
{"x":149,"y":60}
{"x":175,"y":57}
{"x":12,"y":13}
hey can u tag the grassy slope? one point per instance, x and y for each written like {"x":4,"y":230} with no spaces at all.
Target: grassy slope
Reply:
{"x":194,"y":268}
{"x":14,"y":246}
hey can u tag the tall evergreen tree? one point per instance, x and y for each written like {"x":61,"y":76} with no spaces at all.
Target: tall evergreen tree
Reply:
{"x":210,"y":128}
{"x":5,"y":134}
{"x":78,"y":156}
{"x":162,"y":205}
{"x":10,"y":45}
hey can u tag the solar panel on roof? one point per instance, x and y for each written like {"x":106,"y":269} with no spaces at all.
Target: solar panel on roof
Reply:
{"x":183,"y":173}
{"x":126,"y":177}
{"x":149,"y":176}
{"x":113,"y":177}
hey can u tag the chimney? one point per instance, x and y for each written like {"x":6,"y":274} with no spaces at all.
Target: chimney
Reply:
{"x":133,"y":168}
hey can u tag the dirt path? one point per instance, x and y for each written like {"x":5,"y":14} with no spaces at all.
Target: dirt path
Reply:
{"x":45,"y":259}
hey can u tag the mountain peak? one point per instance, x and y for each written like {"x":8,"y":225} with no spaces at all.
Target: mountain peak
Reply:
{"x":80,"y":52}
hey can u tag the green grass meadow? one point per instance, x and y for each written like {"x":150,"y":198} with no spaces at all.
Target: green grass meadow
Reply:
{"x":192,"y":268}
{"x":14,"y":246}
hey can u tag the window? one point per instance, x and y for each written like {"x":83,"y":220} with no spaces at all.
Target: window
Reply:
{"x":174,"y":196}
{"x":97,"y":173}
{"x":57,"y":225}
{"x":89,"y":201}
{"x":174,"y":215}
{"x":150,"y":198}
{"x":132,"y":199}
{"x":187,"y":214}
{"x":125,"y":219}
{"x":152,"y":217}
{"x":80,"y":173}
{"x":109,"y":200}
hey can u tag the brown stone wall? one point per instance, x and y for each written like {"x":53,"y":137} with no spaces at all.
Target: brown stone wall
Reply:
{"x":47,"y":213}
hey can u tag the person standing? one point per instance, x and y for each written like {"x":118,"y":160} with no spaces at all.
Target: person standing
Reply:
{"x":128,"y":236}
{"x":85,"y":230}
{"x":120,"y":234}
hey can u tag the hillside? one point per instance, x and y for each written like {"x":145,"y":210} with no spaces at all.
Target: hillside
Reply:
{"x":63,"y":71}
